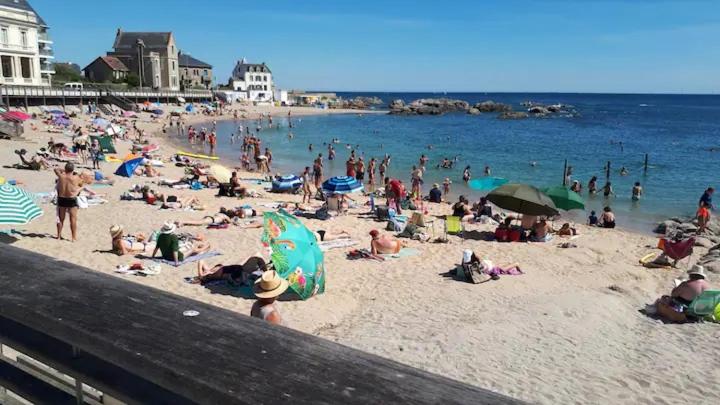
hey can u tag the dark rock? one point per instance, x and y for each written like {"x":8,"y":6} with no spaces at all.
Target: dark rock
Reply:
{"x":513,"y":115}
{"x":538,"y":109}
{"x":428,"y":106}
{"x":359,"y":103}
{"x":474,"y":111}
{"x":491,"y":106}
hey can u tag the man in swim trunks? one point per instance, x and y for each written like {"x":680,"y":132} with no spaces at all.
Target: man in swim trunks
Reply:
{"x":318,"y":171}
{"x":68,"y":187}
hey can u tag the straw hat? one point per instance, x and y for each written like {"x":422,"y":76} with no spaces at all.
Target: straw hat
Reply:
{"x":116,"y":230}
{"x":168,"y":227}
{"x":436,"y":185}
{"x":697,"y":270}
{"x":270,"y":285}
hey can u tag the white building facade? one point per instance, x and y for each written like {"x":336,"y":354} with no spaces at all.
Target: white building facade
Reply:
{"x":26,"y":55}
{"x":253,"y":81}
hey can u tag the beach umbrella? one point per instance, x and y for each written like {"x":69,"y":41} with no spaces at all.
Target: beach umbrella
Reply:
{"x":295,"y":253}
{"x":221,"y":173}
{"x":341,"y":185}
{"x":157,"y":111}
{"x":16,"y":116}
{"x":189,"y":108}
{"x":56,"y":112}
{"x":564,"y":198}
{"x":100,"y":122}
{"x":285,"y":183}
{"x":17,"y":206}
{"x":61,"y":121}
{"x":486,"y":183}
{"x":523,"y":199}
{"x":129,"y":114}
{"x":127,"y":168}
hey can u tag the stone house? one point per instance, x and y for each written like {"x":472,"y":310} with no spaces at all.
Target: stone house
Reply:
{"x":153,"y":56}
{"x":106,"y":69}
{"x":194,"y":73}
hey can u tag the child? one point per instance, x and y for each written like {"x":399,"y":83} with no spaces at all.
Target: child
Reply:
{"x":95,"y":153}
{"x":446,"y":187}
{"x":703,"y":217}
{"x":592,"y":219}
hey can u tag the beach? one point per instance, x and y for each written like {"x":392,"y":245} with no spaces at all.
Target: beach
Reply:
{"x":568,"y":330}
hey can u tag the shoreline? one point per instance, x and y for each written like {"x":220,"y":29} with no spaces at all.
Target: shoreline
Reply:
{"x":543,"y":330}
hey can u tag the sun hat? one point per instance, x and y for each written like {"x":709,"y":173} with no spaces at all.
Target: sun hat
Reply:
{"x":697,"y":270}
{"x":115,"y":230}
{"x":467,"y":255}
{"x":168,"y":227}
{"x":270,"y":285}
{"x":435,"y":185}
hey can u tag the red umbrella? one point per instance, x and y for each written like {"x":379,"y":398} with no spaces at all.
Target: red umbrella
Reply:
{"x":15,"y":116}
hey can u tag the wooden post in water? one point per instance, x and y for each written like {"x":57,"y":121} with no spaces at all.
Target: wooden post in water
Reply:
{"x":565,"y":174}
{"x":646,"y":163}
{"x":607,"y":172}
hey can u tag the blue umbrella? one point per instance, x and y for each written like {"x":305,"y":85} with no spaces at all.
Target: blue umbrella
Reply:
{"x":286,"y":183}
{"x":189,"y":108}
{"x":100,"y":122}
{"x":56,"y":112}
{"x":128,"y":167}
{"x":157,"y":112}
{"x":341,"y":185}
{"x":62,"y":121}
{"x":487,"y":183}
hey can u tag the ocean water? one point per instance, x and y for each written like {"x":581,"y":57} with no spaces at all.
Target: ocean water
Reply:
{"x":676,"y":131}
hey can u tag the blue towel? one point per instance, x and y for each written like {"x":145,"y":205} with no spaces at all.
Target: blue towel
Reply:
{"x":187,"y":260}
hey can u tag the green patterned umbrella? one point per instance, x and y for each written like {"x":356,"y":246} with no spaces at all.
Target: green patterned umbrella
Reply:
{"x":565,"y":199}
{"x":17,"y":206}
{"x":296,"y":255}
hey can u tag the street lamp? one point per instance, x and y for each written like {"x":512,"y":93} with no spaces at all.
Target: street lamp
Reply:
{"x":141,"y":65}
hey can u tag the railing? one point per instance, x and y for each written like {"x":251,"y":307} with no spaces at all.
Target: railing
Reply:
{"x":90,"y":91}
{"x":46,"y":52}
{"x":16,"y":47}
{"x":44,"y":37}
{"x":134,"y":344}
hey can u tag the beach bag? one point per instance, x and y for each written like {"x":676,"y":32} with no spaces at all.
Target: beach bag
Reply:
{"x":382,"y":212}
{"x":474,"y":272}
{"x":409,"y":231}
{"x":393,"y":225}
{"x":82,"y":202}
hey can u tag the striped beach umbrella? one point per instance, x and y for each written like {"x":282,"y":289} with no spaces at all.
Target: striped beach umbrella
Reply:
{"x":17,"y":206}
{"x":341,"y":185}
{"x":288,"y":182}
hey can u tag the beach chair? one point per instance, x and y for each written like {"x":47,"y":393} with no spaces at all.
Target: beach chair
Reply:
{"x":704,"y":304}
{"x":677,"y":249}
{"x":454,"y":226}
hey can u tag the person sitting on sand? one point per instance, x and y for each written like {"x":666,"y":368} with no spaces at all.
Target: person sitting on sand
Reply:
{"x":123,"y":244}
{"x":239,"y":274}
{"x":567,"y":230}
{"x":592,"y":219}
{"x":674,"y":306}
{"x":267,"y":288}
{"x":541,"y":232}
{"x":435,"y":195}
{"x":462,"y":210}
{"x":37,"y":162}
{"x":483,"y":209}
{"x":384,"y":244}
{"x":607,"y":220}
{"x":147,"y":170}
{"x":169,"y":245}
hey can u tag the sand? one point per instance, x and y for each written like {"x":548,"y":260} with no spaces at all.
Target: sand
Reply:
{"x":567,"y":331}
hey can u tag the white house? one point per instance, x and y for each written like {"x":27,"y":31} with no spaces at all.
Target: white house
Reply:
{"x":253,"y":81}
{"x":25,"y":49}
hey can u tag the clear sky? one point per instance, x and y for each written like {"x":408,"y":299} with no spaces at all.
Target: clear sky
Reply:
{"x":636,"y":46}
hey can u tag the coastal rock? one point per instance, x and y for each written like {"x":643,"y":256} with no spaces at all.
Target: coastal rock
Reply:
{"x":513,"y":115}
{"x":428,"y":106}
{"x":704,"y":242}
{"x":474,"y":111}
{"x":359,"y":103}
{"x":538,"y":109}
{"x":663,"y":227}
{"x":491,"y":106}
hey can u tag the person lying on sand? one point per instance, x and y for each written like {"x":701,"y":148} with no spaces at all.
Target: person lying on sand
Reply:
{"x":37,"y":162}
{"x":567,"y":230}
{"x":173,"y":202}
{"x":95,"y":177}
{"x":169,"y":245}
{"x":470,"y":257}
{"x":384,"y":244}
{"x":241,"y":274}
{"x":674,"y":306}
{"x":123,"y":244}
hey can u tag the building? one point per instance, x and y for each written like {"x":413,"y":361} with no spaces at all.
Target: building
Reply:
{"x":194,"y":73}
{"x":26,"y":53}
{"x":106,"y":69}
{"x":153,"y":56}
{"x":252,"y":80}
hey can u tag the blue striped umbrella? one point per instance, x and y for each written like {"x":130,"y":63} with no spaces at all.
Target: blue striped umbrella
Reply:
{"x":288,"y":182}
{"x":341,"y":185}
{"x":17,"y":206}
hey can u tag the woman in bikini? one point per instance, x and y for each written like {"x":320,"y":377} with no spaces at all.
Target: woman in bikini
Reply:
{"x":125,"y":244}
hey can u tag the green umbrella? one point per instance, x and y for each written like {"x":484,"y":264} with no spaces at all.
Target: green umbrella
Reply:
{"x":17,"y":206}
{"x":296,"y":255}
{"x":565,"y":199}
{"x":523,"y":199}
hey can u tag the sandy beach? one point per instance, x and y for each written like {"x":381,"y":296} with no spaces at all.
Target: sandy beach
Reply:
{"x":569,"y":330}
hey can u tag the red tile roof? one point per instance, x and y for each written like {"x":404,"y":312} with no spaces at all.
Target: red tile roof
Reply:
{"x":114,"y":63}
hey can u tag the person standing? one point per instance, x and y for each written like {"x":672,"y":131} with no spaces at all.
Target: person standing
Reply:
{"x":68,"y":187}
{"x":446,"y":187}
{"x":383,"y":168}
{"x":307,"y":192}
{"x":212,"y":140}
{"x":416,"y":175}
{"x":487,"y":171}
{"x":268,"y":155}
{"x":703,"y":217}
{"x":637,"y":191}
{"x":95,"y":153}
{"x":592,"y":185}
{"x":318,"y":171}
{"x":608,"y":190}
{"x":350,"y":167}
{"x":360,"y":170}
{"x":706,"y":198}
{"x":466,"y":174}
{"x":371,"y":174}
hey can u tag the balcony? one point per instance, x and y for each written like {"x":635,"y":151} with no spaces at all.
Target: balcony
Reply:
{"x":4,"y":46}
{"x":46,"y":53}
{"x":43,"y":37}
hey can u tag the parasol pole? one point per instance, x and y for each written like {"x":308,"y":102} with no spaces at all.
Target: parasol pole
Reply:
{"x":564,"y":174}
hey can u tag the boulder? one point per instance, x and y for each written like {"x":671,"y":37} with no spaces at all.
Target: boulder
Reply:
{"x":704,"y":242}
{"x":687,"y":227}
{"x":712,"y":267}
{"x":474,"y":111}
{"x":538,"y":109}
{"x":428,"y":106}
{"x":664,"y":226}
{"x":513,"y":115}
{"x":491,"y":106}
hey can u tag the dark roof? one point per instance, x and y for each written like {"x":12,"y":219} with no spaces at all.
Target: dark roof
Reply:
{"x":128,"y":40}
{"x":22,"y":5}
{"x":113,"y":62}
{"x":185,"y":60}
{"x":251,"y":67}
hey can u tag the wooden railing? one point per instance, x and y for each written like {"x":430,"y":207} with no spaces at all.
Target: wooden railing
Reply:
{"x":91,"y":92}
{"x":118,"y":339}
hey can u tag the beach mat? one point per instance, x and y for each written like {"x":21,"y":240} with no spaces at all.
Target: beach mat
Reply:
{"x":404,"y":252}
{"x":187,"y":260}
{"x":336,"y":244}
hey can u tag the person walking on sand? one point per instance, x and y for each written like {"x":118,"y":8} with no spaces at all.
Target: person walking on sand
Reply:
{"x":371,"y":175}
{"x":307,"y":192}
{"x":360,"y":170}
{"x":68,"y":187}
{"x":267,"y":288}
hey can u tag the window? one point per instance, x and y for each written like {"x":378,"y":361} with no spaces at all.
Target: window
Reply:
{"x":6,"y":63}
{"x":173,"y":65}
{"x":23,"y":39}
{"x":4,"y":35}
{"x":264,"y":78}
{"x":265,"y":87}
{"x":258,"y":78}
{"x":25,"y":68}
{"x":205,"y":73}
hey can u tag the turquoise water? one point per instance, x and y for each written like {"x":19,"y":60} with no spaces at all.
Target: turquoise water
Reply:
{"x":675,"y":131}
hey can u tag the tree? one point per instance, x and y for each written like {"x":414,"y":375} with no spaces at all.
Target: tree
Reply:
{"x":132,"y":80}
{"x":65,"y":72}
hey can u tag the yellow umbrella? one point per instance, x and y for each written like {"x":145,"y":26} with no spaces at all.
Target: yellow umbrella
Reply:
{"x":220,"y":173}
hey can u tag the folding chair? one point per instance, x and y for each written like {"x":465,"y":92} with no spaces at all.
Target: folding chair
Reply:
{"x":454,"y":226}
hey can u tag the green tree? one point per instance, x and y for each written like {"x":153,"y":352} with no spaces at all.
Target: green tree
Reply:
{"x":65,"y":73}
{"x":132,"y":80}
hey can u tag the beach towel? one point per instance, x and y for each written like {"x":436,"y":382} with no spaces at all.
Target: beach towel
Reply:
{"x":187,"y":260}
{"x":363,"y":254}
{"x":404,"y":252}
{"x":335,"y":244}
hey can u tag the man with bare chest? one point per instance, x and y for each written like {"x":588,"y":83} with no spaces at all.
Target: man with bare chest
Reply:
{"x":68,"y":187}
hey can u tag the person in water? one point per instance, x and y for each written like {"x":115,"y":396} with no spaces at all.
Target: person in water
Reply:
{"x":466,"y":174}
{"x":707,"y":198}
{"x":608,"y":190}
{"x":637,"y":191}
{"x":592,"y":185}
{"x":608,"y":218}
{"x":624,"y":171}
{"x":576,"y":186}
{"x":487,"y":171}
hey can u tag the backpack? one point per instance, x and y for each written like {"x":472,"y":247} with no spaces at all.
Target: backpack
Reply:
{"x":409,"y":231}
{"x":393,"y":225}
{"x":382,"y":212}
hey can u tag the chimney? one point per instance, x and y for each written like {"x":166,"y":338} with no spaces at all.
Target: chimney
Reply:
{"x":119,"y":30}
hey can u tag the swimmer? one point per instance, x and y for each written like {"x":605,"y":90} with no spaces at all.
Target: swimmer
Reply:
{"x":533,"y":163}
{"x":624,"y":171}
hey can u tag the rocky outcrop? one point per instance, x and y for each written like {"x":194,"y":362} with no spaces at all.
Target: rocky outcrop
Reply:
{"x":710,"y":238}
{"x":491,"y":106}
{"x":428,"y":106}
{"x":359,"y":103}
{"x":513,"y":115}
{"x":474,"y":111}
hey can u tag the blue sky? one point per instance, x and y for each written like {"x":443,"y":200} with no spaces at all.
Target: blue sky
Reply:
{"x":635,"y":46}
